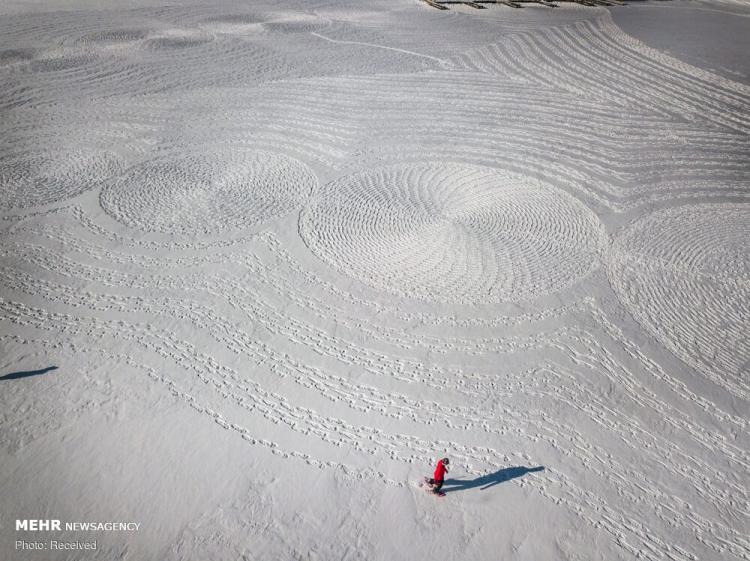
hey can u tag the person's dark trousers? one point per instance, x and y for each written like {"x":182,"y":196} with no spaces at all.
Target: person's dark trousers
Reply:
{"x":436,"y":485}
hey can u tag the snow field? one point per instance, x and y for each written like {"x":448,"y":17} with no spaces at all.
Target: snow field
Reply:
{"x":336,"y":243}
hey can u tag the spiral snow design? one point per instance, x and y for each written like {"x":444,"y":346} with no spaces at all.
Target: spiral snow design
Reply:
{"x":453,"y":233}
{"x":684,"y":273}
{"x":40,"y":177}
{"x":207,"y":191}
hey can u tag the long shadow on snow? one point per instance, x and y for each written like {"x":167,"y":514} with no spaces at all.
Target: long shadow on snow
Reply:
{"x":26,"y":374}
{"x":487,"y":481}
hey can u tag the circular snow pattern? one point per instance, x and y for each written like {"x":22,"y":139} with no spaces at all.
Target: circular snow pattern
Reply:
{"x":43,"y":177}
{"x":684,"y":274}
{"x":110,"y":36}
{"x":62,"y":61}
{"x":453,"y":233}
{"x":207,"y":191}
{"x":177,"y":42}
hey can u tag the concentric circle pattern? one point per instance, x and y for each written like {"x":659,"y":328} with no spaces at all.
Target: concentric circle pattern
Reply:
{"x":207,"y":191}
{"x":453,"y":233}
{"x":44,"y":177}
{"x":174,"y":42}
{"x":684,"y":273}
{"x":61,"y":60}
{"x":114,"y":36}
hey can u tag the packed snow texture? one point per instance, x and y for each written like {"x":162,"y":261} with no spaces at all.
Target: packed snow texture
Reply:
{"x":286,"y":255}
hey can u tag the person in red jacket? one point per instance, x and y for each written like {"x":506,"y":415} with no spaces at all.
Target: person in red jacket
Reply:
{"x":439,"y":476}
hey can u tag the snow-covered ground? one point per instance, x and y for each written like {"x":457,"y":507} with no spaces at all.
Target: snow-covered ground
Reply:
{"x":284,"y":255}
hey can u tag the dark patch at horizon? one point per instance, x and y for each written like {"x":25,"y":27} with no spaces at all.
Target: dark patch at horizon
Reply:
{"x":708,"y":37}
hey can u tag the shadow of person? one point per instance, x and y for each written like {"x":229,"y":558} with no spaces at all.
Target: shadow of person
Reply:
{"x":26,"y":374}
{"x":487,"y":481}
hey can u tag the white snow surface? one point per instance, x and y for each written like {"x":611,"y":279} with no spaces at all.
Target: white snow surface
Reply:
{"x":284,"y":255}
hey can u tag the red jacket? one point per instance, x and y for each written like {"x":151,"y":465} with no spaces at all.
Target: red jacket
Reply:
{"x":440,"y":471}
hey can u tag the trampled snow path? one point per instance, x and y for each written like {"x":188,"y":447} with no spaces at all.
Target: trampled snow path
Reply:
{"x":355,"y":247}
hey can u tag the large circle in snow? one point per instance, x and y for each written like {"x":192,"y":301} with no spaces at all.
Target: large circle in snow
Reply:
{"x":208,"y":191}
{"x":684,"y":274}
{"x":41,"y":177}
{"x":453,"y":233}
